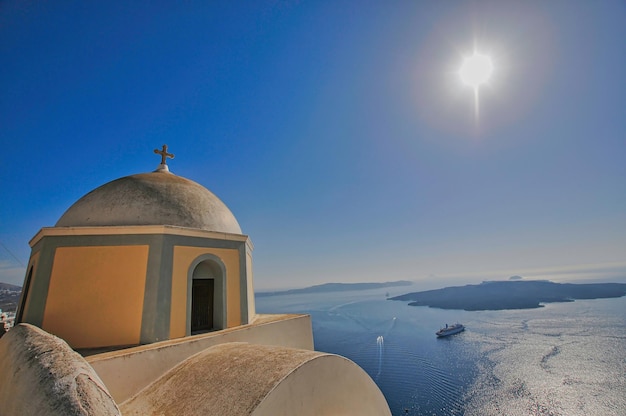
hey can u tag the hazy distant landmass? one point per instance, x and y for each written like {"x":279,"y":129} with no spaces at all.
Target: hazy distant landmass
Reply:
{"x":511,"y":294}
{"x":7,"y":286}
{"x":336,"y":287}
{"x":9,"y":297}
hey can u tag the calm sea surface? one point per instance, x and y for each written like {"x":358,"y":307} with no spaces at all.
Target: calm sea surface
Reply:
{"x":563,"y":359}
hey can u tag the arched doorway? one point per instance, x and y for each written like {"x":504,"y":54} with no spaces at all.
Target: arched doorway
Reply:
{"x":202,"y":305}
{"x":23,"y":299}
{"x":206,"y":297}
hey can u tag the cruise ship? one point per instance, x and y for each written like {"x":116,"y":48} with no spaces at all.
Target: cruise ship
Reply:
{"x":450,"y":330}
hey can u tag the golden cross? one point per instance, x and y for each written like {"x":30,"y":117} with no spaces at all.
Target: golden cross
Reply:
{"x":164,"y":154}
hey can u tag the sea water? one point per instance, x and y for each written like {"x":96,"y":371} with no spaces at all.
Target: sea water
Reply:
{"x":561,"y":359}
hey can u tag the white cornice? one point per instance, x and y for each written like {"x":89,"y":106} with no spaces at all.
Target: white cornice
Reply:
{"x":136,"y":230}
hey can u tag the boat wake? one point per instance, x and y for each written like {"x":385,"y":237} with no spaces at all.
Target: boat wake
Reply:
{"x":380,"y":341}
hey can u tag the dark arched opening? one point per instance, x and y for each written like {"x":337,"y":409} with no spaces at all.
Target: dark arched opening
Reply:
{"x":206,"y":298}
{"x":25,"y":290}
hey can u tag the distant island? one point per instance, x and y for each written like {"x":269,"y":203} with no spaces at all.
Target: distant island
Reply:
{"x":512,"y":294}
{"x":9,"y":297}
{"x":336,"y":287}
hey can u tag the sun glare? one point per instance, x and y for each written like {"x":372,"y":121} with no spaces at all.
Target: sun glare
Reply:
{"x":476,"y":70}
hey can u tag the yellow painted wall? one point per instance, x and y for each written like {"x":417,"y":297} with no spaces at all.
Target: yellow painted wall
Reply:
{"x":183,"y":257}
{"x":33,"y":262}
{"x":96,"y":295}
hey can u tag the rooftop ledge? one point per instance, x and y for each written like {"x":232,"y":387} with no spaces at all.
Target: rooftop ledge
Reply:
{"x":135,"y":230}
{"x":125,"y":372}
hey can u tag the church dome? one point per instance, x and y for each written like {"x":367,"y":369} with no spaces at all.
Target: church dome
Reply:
{"x":157,"y":198}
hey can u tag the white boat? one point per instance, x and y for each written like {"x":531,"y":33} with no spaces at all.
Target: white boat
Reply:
{"x":450,"y":330}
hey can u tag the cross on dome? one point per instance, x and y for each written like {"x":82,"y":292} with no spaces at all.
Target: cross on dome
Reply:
{"x":164,"y":155}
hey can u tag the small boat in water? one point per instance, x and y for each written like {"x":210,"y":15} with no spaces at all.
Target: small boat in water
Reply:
{"x":450,"y":330}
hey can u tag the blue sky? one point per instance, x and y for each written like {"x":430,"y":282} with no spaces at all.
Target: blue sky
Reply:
{"x":337,"y":132}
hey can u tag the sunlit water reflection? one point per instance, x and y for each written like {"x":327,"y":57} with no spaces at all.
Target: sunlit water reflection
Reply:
{"x":563,"y":359}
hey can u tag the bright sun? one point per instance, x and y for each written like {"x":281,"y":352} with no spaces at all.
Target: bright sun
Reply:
{"x":476,"y":70}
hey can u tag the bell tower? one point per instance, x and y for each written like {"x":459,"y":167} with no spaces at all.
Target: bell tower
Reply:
{"x":143,"y":258}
